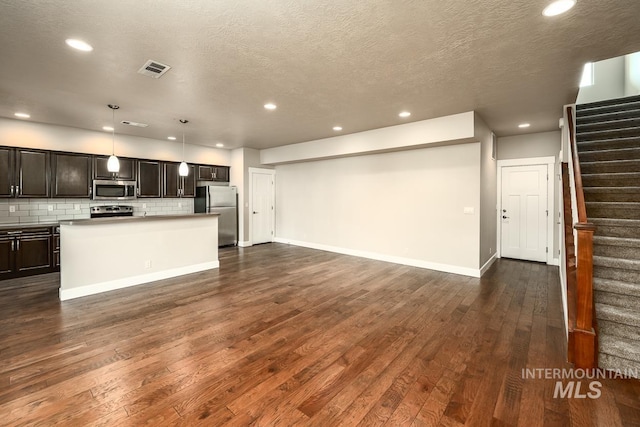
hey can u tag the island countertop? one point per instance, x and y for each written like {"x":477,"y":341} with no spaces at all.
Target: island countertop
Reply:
{"x":127,"y":219}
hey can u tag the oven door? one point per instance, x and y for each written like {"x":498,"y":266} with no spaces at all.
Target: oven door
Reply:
{"x":104,"y":189}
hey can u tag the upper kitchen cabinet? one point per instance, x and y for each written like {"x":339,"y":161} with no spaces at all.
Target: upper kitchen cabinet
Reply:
{"x":149,"y":178}
{"x":70,"y":175}
{"x":24,"y":172}
{"x":213,"y":173}
{"x":176,"y":185}
{"x":127,"y":169}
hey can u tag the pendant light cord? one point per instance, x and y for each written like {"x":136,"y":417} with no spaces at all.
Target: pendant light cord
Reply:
{"x":113,"y":132}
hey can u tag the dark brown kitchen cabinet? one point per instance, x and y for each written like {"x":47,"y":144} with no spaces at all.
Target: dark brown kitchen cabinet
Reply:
{"x":127,"y":168}
{"x":24,"y":252}
{"x":7,"y":256}
{"x":213,"y":173}
{"x":24,"y":172}
{"x":71,"y":175}
{"x":149,"y":178}
{"x":175,"y":185}
{"x":55,"y":261}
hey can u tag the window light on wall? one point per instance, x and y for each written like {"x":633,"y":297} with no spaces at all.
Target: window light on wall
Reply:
{"x":587,"y":75}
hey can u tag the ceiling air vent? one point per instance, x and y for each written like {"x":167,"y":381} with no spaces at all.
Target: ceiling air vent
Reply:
{"x":130,"y":123}
{"x":153,"y":69}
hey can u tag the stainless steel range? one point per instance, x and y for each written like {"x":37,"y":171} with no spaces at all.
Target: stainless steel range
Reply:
{"x":110,"y":211}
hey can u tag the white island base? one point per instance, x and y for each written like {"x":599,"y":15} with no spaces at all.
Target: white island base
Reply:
{"x":99,"y":255}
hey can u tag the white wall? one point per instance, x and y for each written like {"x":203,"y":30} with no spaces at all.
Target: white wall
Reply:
{"x":20,"y":133}
{"x":456,"y":128}
{"x":608,"y":77}
{"x":488,"y":198}
{"x":404,"y":206}
{"x":632,"y":74}
{"x":542,"y":144}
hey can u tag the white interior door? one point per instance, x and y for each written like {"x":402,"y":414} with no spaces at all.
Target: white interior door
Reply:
{"x":524,"y":212}
{"x":262,"y":207}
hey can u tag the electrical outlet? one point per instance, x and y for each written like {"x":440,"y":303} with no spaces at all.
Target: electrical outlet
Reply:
{"x":179,"y":205}
{"x":12,"y":208}
{"x":144,"y":206}
{"x":50,"y":208}
{"x":147,"y":264}
{"x":76,"y":207}
{"x":469,"y":210}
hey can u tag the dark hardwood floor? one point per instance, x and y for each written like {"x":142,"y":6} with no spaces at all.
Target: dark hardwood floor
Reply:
{"x":284,"y":335}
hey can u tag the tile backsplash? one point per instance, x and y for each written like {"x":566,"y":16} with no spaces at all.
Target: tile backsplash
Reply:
{"x":54,"y":210}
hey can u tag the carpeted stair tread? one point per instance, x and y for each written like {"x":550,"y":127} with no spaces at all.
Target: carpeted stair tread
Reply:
{"x":607,"y":361}
{"x":616,"y":227}
{"x":622,"y":315}
{"x":610,"y":166}
{"x":616,"y":300}
{"x":622,"y":210}
{"x":618,"y":104}
{"x":606,"y":327}
{"x":615,"y":124}
{"x":608,"y":116}
{"x":608,"y":133}
{"x":624,"y":264}
{"x":608,"y":144}
{"x":621,"y":347}
{"x":617,"y":241}
{"x":628,"y":153}
{"x":611,"y":194}
{"x":616,"y":247}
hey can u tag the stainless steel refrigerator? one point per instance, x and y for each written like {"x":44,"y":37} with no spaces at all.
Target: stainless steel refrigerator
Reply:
{"x":223,"y":201}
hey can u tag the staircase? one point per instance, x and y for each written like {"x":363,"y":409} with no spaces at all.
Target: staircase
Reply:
{"x":608,"y":139}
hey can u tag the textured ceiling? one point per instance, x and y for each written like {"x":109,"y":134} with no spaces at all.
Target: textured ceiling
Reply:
{"x":324,"y":63}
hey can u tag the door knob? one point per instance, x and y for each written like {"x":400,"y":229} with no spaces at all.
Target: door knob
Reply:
{"x":254,"y":212}
{"x":504,"y":217}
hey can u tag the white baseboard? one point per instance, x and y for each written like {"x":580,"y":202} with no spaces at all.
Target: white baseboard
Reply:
{"x":96,"y":288}
{"x":488,"y":264}
{"x":556,"y":261}
{"x":244,"y":244}
{"x":447,"y":268}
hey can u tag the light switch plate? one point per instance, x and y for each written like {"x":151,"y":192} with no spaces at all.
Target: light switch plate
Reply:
{"x":469,"y":210}
{"x":50,"y":208}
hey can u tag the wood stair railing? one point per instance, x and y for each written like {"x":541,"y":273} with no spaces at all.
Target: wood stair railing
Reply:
{"x":582,"y":344}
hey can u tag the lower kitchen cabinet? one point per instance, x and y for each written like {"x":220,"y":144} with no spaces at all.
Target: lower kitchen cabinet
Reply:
{"x":25,"y":252}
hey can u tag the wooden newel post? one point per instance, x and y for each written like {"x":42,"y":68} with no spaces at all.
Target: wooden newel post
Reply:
{"x":585,"y":344}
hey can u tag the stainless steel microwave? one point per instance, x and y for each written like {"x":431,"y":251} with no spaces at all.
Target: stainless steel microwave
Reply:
{"x":107,"y":189}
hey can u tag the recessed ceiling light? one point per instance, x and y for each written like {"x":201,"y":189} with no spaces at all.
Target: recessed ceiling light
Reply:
{"x":524,"y":125}
{"x":558,"y":7}
{"x":107,"y":128}
{"x":219,"y":145}
{"x":337,"y":128}
{"x":270,"y":106}
{"x":171,"y":138}
{"x":22,"y":115}
{"x":79,"y":44}
{"x":404,"y":114}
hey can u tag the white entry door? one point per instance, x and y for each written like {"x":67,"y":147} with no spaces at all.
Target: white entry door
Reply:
{"x":262,"y":206}
{"x":524,"y":212}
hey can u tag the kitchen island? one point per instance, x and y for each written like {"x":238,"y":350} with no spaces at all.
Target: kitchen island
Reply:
{"x":99,"y":255}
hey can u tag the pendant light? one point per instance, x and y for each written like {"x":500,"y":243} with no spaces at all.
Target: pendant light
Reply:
{"x":183,"y":169}
{"x":113,"y":164}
